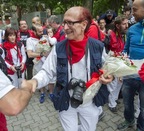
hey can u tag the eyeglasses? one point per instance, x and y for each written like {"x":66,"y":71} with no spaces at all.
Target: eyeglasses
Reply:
{"x":71,"y":23}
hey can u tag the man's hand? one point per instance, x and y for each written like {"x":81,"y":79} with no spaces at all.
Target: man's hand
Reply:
{"x":45,"y":53}
{"x":13,"y":68}
{"x":106,"y":80}
{"x":29,"y":85}
{"x":22,"y":66}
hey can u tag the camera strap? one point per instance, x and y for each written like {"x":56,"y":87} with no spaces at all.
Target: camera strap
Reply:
{"x":86,"y":57}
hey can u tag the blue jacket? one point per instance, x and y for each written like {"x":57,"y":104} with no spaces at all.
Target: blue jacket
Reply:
{"x":135,"y":41}
{"x":61,"y":96}
{"x":104,"y":16}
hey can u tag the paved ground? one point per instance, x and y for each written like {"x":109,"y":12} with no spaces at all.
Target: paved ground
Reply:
{"x":43,"y":117}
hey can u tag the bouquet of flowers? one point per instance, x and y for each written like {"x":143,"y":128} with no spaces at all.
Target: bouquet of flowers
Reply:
{"x":119,"y":65}
{"x":116,"y":64}
{"x":42,"y":46}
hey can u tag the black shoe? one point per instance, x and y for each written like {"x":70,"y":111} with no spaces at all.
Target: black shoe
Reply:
{"x":101,"y":116}
{"x":124,"y":125}
{"x":113,"y":109}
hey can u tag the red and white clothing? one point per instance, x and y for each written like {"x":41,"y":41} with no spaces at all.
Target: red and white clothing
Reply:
{"x":31,"y":45}
{"x":59,"y":35}
{"x":5,"y":87}
{"x":94,"y":32}
{"x":116,"y":45}
{"x":88,"y":113}
{"x":116,"y":42}
{"x":24,"y":35}
{"x":14,"y":57}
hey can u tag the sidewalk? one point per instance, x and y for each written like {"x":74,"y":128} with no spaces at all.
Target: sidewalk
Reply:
{"x":43,"y":117}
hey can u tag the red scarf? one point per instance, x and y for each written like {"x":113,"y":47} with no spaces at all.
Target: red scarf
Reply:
{"x":8,"y":45}
{"x":78,"y":49}
{"x":35,"y":36}
{"x":8,"y":58}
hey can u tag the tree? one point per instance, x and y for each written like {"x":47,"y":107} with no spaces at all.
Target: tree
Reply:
{"x":88,"y":4}
{"x":96,"y":7}
{"x":100,"y":6}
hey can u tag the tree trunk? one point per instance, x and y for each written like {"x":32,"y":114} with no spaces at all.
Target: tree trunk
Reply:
{"x":19,"y":13}
{"x":88,"y":4}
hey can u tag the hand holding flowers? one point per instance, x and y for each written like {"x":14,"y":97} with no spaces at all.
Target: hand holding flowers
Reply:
{"x":117,"y":65}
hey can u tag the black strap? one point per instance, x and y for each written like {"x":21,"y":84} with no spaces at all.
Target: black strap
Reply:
{"x":99,"y":33}
{"x":86,"y":57}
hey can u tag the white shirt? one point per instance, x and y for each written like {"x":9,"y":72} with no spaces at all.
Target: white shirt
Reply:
{"x":5,"y":84}
{"x":15,"y":58}
{"x":48,"y":71}
{"x":31,"y":44}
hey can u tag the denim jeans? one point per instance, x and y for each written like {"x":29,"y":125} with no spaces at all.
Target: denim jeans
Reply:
{"x":129,"y":88}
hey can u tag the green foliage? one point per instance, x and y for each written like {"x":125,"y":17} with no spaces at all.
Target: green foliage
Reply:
{"x":101,"y":6}
{"x":97,"y":7}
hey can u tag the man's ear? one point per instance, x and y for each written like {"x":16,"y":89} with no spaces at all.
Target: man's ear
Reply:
{"x":84,"y":24}
{"x":117,"y":26}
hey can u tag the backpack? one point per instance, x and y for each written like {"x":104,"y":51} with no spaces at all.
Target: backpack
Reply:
{"x":3,"y":65}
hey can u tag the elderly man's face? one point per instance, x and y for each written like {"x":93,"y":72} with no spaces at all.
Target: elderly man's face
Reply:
{"x":138,"y":10}
{"x":73,"y":26}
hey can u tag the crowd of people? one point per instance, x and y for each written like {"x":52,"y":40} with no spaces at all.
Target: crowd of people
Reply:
{"x":62,"y":57}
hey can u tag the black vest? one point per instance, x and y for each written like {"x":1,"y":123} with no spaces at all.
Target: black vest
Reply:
{"x":61,"y":95}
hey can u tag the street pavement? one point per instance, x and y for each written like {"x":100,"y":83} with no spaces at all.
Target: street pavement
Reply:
{"x":43,"y":117}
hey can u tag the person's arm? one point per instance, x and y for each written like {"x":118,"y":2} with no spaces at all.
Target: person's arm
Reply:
{"x":52,"y":40}
{"x":12,"y":100}
{"x":30,"y":49}
{"x":106,"y":80}
{"x":32,"y":54}
{"x":15,"y":101}
{"x":47,"y":73}
{"x":23,"y":54}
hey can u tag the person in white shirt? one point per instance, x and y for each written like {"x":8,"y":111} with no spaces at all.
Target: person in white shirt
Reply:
{"x":12,"y":100}
{"x":63,"y":66}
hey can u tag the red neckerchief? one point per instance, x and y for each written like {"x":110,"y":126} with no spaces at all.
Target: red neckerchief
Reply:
{"x":8,"y":45}
{"x":25,"y":31}
{"x":34,"y":36}
{"x":78,"y":50}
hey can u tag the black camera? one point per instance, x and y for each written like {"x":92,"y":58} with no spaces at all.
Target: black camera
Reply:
{"x":78,"y":87}
{"x":19,"y":73}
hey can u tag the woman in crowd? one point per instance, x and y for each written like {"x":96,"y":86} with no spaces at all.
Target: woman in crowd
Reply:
{"x":15,"y":56}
